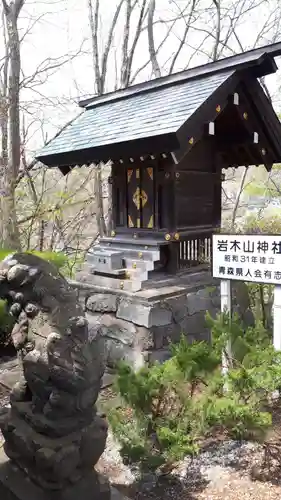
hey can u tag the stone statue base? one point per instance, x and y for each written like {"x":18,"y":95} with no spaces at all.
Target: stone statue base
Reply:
{"x":52,"y":462}
{"x":15,"y":485}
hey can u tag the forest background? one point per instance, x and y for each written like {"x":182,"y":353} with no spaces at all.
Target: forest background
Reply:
{"x":55,"y":52}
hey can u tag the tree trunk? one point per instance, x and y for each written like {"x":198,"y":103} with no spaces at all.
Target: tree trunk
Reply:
{"x":10,"y":232}
{"x":152,"y":53}
{"x":99,"y":201}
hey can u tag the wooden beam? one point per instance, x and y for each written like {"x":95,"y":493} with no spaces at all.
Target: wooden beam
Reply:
{"x":174,"y":158}
{"x":270,"y":124}
{"x":211,"y":128}
{"x":256,"y":138}
{"x":254,"y":124}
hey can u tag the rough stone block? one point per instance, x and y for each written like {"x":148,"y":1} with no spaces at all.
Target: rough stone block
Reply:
{"x":102,"y":302}
{"x":165,"y":335}
{"x":118,"y":329}
{"x":194,"y":325}
{"x":15,"y":485}
{"x":178,"y":306}
{"x":199,"y":301}
{"x":143,"y":314}
{"x":117,"y":351}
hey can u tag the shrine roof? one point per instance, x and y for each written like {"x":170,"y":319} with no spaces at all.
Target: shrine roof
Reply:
{"x":126,"y":120}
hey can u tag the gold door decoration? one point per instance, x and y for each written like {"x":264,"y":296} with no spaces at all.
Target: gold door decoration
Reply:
{"x":129,"y":174}
{"x":140,"y":198}
{"x":140,"y":186}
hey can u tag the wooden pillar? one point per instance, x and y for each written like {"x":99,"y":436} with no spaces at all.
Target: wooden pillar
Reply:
{"x":174,"y":257}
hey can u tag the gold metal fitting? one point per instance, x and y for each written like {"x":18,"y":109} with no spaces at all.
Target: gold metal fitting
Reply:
{"x":176,"y":236}
{"x":134,"y":265}
{"x":218,"y":108}
{"x":127,"y":274}
{"x":121,"y":285}
{"x":140,"y":255}
{"x":167,"y":237}
{"x":191,"y":140}
{"x":113,"y":234}
{"x":245,"y":116}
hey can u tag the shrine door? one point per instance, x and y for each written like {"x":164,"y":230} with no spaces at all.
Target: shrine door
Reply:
{"x":140,"y":197}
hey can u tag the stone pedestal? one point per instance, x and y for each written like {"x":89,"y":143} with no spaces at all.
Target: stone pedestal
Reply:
{"x":15,"y":485}
{"x":139,"y":327}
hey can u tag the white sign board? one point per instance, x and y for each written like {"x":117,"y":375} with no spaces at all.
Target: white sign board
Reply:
{"x":254,"y":257}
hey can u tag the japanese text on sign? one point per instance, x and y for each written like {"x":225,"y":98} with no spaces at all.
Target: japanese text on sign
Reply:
{"x":254,"y":258}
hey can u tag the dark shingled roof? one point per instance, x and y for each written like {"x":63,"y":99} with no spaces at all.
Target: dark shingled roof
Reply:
{"x":136,"y":117}
{"x":150,"y":110}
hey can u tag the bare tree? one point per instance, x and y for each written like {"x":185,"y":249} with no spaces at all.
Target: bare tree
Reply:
{"x":11,"y":162}
{"x":169,"y":42}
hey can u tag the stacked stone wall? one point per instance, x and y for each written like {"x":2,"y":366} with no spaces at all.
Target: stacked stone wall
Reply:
{"x":140,"y":331}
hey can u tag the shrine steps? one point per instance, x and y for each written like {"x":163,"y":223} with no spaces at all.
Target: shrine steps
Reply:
{"x":140,"y":258}
{"x":149,"y":249}
{"x":86,"y":275}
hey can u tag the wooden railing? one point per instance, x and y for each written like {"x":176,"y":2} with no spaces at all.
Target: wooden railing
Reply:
{"x":195,"y":250}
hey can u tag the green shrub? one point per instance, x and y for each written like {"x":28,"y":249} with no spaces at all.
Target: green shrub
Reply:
{"x":240,"y":420}
{"x":244,"y":341}
{"x":153,"y":425}
{"x":168,"y":409}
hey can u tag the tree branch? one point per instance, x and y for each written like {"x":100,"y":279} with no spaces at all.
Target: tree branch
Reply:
{"x":125,"y":45}
{"x":135,"y":41}
{"x":18,"y":5}
{"x":94,"y":24}
{"x":151,"y":46}
{"x":6,"y":7}
{"x":182,"y":42}
{"x":218,"y":30}
{"x":108,"y":46}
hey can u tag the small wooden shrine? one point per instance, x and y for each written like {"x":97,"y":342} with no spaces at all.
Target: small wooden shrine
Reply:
{"x":168,"y":141}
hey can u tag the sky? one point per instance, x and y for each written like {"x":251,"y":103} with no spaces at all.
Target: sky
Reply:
{"x":58,"y":30}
